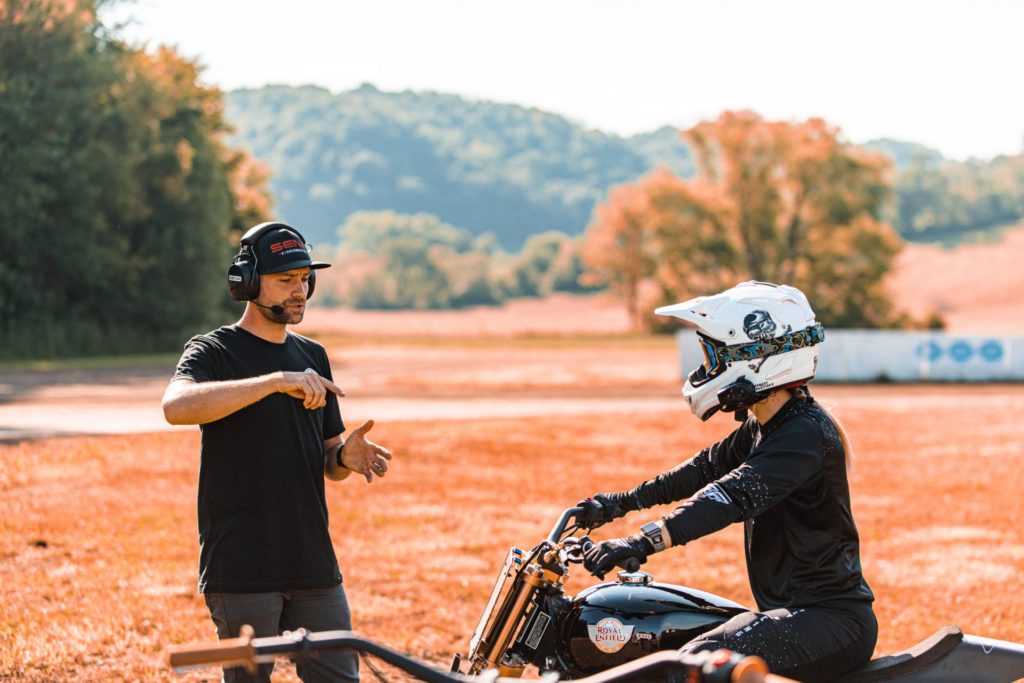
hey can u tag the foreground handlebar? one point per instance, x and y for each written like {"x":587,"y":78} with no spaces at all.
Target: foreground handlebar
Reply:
{"x":297,"y":644}
{"x":248,"y":652}
{"x":227,"y":653}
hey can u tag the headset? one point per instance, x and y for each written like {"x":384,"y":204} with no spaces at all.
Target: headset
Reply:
{"x":244,"y":276}
{"x":741,"y":394}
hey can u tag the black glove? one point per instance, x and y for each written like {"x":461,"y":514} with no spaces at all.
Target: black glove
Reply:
{"x":599,"y":509}
{"x":604,"y":556}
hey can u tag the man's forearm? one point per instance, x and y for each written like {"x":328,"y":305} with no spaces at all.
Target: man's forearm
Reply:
{"x":188,"y":403}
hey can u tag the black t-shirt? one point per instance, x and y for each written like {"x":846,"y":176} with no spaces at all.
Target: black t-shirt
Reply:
{"x":262,"y":514}
{"x":787,"y":481}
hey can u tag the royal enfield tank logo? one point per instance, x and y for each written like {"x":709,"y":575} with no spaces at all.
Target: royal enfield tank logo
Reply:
{"x":610,"y":635}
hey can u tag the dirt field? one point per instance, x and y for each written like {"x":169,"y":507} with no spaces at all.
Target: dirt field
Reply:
{"x":492,"y":439}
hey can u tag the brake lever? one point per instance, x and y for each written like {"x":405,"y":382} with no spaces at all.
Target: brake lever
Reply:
{"x":574,"y":548}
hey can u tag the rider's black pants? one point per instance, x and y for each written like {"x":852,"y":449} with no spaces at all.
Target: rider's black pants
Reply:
{"x":806,"y":644}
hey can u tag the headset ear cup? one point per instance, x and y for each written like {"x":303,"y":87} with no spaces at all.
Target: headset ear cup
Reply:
{"x":243,"y":280}
{"x":312,"y":284}
{"x":252,"y":289}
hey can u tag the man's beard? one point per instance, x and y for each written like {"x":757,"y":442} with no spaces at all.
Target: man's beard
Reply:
{"x":284,"y":317}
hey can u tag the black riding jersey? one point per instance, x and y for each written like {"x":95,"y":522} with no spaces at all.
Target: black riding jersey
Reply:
{"x":787,"y":481}
{"x":263,"y":523}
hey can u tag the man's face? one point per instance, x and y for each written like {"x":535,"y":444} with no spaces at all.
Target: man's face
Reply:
{"x":287,"y":289}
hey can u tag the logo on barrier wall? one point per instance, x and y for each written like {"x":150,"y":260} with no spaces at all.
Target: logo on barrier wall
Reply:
{"x":962,"y":351}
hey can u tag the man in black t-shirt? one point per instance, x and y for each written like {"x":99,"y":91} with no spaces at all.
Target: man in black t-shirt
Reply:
{"x":267,"y":406}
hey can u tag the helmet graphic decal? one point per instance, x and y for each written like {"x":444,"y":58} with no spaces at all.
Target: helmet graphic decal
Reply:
{"x":759,"y":326}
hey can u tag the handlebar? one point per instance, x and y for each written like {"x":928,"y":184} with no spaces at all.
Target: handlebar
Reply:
{"x":248,"y":652}
{"x":556,"y":531}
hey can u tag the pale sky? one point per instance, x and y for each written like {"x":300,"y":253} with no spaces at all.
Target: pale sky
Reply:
{"x":945,"y":74}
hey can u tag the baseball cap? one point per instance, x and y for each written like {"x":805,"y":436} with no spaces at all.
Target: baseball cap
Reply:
{"x":283,"y":249}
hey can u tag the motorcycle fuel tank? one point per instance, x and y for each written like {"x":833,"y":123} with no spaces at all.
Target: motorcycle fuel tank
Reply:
{"x":614,"y":623}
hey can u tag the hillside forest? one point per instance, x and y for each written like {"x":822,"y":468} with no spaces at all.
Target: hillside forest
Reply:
{"x":128,"y":181}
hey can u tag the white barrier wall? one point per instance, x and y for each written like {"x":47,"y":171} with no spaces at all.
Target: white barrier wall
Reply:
{"x":900,"y":356}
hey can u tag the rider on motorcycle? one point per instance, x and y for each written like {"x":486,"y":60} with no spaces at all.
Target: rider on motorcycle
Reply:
{"x":783,"y":471}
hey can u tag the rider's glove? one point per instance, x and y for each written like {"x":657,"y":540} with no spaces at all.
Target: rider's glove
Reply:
{"x":604,"y":556}
{"x":600,"y":509}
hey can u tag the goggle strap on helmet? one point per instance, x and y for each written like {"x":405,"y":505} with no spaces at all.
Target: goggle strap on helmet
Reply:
{"x":718,"y":355}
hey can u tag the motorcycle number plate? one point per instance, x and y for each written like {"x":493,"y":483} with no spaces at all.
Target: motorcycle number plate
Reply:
{"x":540,"y":624}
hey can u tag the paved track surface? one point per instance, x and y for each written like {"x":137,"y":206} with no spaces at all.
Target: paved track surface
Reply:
{"x":59,"y":403}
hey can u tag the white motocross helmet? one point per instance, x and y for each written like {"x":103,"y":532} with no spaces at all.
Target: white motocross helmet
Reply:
{"x":757,"y":338}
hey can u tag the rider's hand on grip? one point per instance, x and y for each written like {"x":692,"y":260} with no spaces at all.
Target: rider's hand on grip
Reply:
{"x":623,"y":552}
{"x":598,"y":510}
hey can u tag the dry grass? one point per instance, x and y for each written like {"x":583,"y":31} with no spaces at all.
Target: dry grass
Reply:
{"x":98,"y":544}
{"x":969,"y":286}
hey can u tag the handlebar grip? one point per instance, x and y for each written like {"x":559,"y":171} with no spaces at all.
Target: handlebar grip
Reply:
{"x":755,"y":670}
{"x":228,"y":652}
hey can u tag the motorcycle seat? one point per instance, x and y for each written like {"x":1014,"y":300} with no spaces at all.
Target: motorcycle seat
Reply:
{"x":909,"y":661}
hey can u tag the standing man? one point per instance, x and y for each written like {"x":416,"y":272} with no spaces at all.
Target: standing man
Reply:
{"x":267,"y":407}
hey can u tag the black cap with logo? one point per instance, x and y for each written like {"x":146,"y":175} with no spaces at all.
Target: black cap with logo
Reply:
{"x":283,"y":249}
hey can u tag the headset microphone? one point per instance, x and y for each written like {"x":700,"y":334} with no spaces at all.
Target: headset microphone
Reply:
{"x":275,"y":309}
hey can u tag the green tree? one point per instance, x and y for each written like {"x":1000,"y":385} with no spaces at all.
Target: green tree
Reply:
{"x":58,"y":179}
{"x":369,"y":230}
{"x":950,"y":201}
{"x":549,"y":262}
{"x":121,"y":189}
{"x":393,"y":260}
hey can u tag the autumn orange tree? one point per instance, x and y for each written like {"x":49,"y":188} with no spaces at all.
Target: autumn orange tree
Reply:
{"x":772,"y":201}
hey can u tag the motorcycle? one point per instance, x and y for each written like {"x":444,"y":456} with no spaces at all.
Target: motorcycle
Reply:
{"x":623,"y":631}
{"x":529,"y":620}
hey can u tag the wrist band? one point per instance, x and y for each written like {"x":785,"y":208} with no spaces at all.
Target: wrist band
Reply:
{"x":338,"y":454}
{"x":652,"y":530}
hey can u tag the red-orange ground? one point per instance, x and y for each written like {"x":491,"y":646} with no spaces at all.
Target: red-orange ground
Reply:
{"x":98,"y":544}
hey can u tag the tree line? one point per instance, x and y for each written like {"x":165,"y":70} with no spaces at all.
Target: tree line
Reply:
{"x":772,"y":201}
{"x":388,"y":260}
{"x":121,"y":194}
